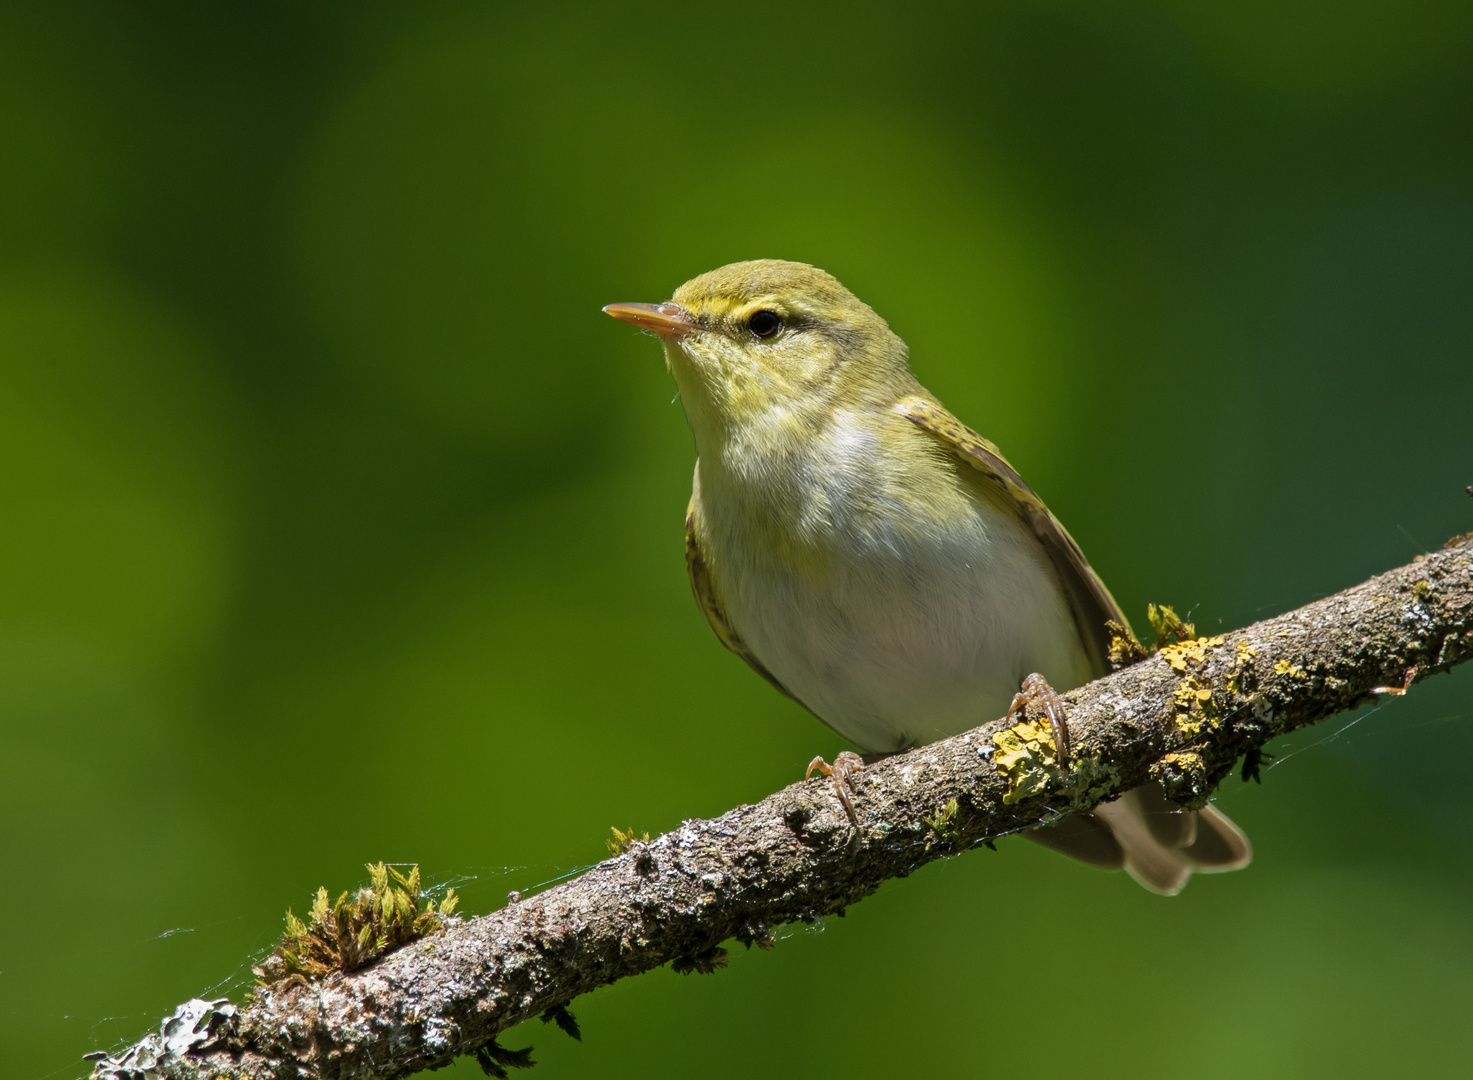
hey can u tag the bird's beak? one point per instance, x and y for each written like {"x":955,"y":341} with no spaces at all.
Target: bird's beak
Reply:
{"x":667,"y":319}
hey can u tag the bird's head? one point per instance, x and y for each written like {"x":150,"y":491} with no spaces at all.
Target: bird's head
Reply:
{"x":756,"y":339}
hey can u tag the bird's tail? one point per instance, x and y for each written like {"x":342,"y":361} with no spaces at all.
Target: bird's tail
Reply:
{"x":1153,"y":839}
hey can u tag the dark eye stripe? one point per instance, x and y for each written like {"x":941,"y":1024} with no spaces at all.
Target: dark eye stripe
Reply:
{"x":764,"y":323}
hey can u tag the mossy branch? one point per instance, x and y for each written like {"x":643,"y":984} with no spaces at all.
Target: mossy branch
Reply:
{"x":1184,"y":716}
{"x":356,"y":930}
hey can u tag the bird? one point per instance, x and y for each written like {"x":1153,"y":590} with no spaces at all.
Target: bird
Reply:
{"x":878,"y":561}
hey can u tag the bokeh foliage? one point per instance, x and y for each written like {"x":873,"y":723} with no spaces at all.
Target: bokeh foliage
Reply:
{"x":337,"y":525}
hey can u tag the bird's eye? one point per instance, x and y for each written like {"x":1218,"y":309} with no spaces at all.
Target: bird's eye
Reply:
{"x":765,"y":323}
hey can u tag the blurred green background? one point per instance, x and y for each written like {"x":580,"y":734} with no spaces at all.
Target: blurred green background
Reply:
{"x":337,"y":524}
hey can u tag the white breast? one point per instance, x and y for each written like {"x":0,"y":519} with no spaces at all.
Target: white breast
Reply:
{"x":922,"y":621}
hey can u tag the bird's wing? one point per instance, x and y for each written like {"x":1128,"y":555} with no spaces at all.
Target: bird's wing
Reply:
{"x":1157,"y":841}
{"x":1089,"y":600}
{"x":710,"y":604}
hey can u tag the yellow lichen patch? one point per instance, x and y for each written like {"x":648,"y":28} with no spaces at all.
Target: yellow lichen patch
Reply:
{"x":1195,"y":709}
{"x":1289,"y":668}
{"x":1421,"y":589}
{"x":1184,"y":776}
{"x":1026,"y":756}
{"x":1028,"y":759}
{"x":1193,"y":651}
{"x":1243,"y":665}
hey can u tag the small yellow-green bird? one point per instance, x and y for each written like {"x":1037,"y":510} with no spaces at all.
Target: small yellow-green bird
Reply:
{"x":878,"y":561}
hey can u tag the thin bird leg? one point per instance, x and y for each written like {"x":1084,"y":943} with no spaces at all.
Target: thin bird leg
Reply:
{"x":846,"y":764}
{"x":1036,"y":688}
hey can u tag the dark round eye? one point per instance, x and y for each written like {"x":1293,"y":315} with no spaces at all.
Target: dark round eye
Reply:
{"x":765,"y":323}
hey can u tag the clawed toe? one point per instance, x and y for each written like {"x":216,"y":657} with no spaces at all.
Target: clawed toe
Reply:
{"x":1037,"y":688}
{"x":846,"y":764}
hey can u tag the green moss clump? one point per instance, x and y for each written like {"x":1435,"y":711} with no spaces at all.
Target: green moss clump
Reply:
{"x":944,"y":825}
{"x":623,"y":841}
{"x":355,"y":930}
{"x":1169,"y":627}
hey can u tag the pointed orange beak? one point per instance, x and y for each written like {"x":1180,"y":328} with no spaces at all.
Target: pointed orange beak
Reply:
{"x":667,"y":319}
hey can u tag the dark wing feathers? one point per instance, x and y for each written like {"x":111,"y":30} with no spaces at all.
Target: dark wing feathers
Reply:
{"x":1161,"y":843}
{"x":1089,"y":600}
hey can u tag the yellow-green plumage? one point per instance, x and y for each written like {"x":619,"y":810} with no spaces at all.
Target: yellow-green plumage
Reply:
{"x":855,"y":543}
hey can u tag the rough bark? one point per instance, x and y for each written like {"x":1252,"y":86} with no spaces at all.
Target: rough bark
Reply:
{"x":1183,"y":717}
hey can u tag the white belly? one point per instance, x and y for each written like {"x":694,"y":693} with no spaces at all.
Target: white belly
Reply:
{"x":913,"y":630}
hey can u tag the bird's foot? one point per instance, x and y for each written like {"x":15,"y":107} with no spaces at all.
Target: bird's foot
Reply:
{"x":846,"y":764}
{"x":1037,"y":689}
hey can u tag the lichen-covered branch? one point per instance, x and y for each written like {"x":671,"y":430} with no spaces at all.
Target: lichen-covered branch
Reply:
{"x":1184,"y":716}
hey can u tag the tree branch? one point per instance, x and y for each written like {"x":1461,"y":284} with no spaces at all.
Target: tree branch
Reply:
{"x":1182,"y":717}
